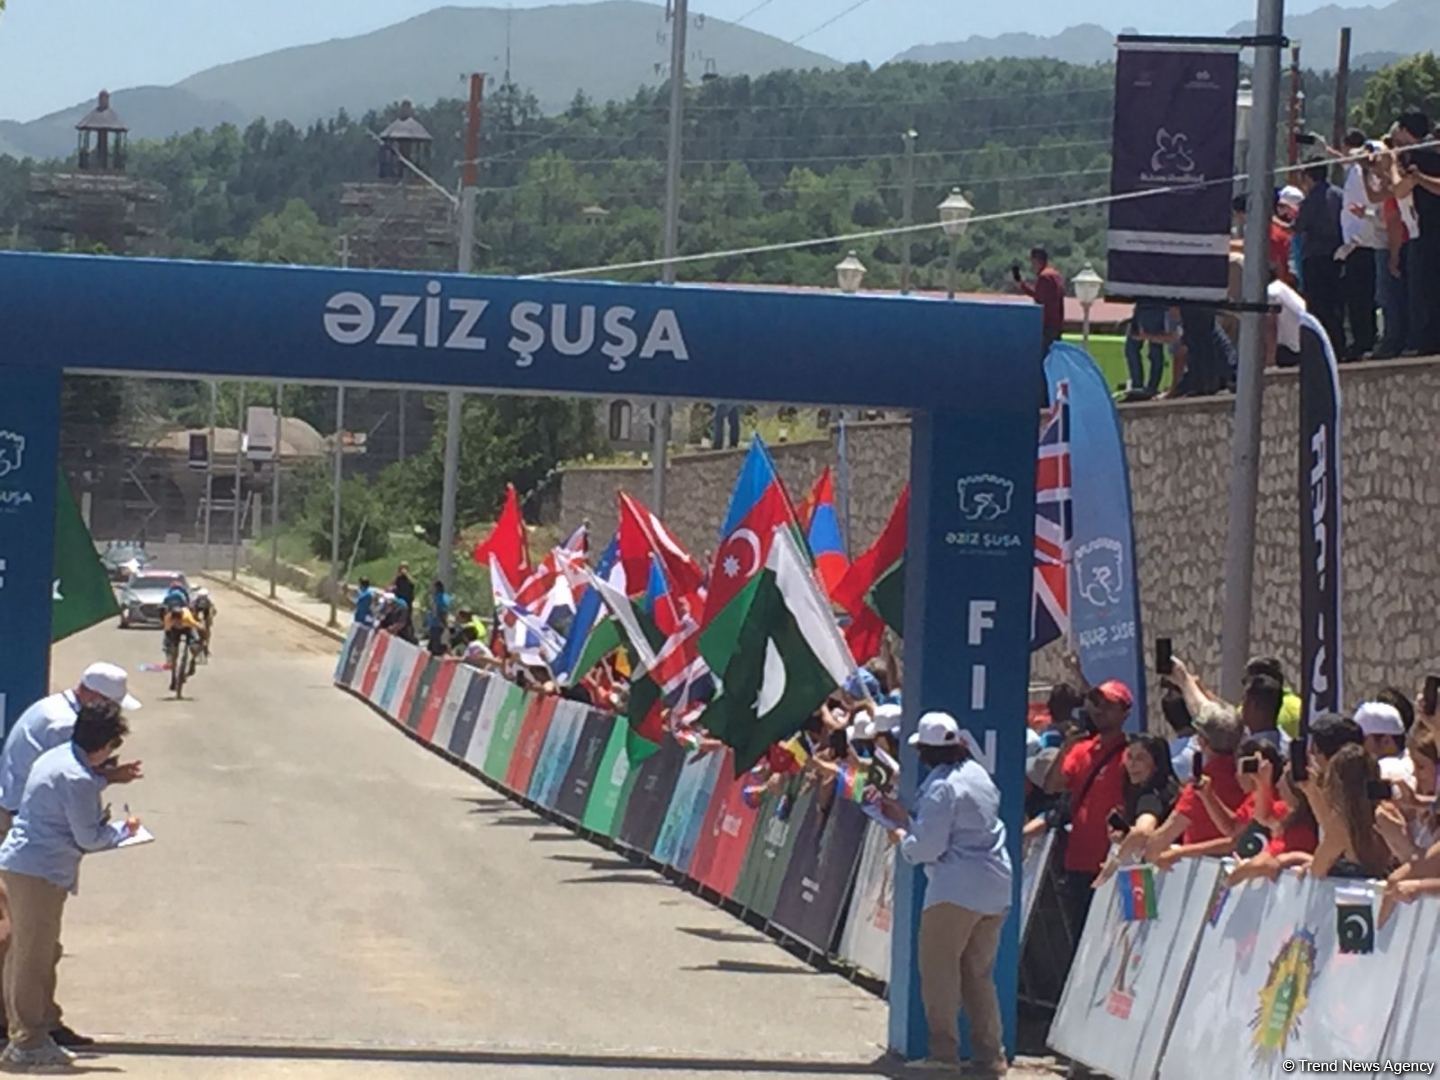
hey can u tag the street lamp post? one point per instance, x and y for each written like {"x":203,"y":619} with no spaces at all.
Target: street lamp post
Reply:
{"x":1088,"y":286}
{"x":850,"y":273}
{"x":955,"y":213}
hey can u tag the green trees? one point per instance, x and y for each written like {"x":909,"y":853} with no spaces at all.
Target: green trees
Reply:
{"x":1411,"y":83}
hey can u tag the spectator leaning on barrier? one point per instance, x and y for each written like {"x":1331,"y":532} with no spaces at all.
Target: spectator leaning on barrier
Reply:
{"x":1343,"y":797}
{"x":956,"y":834}
{"x":60,"y":820}
{"x":1091,"y":770}
{"x":365,"y":604}
{"x":1150,"y":793}
{"x":1189,"y":823}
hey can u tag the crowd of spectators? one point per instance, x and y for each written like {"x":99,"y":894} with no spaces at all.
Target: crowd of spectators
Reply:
{"x":1358,"y":801}
{"x":1354,"y":239}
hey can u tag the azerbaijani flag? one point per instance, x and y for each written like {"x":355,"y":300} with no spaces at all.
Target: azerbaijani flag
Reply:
{"x":850,"y":783}
{"x":1136,"y":886}
{"x":822,"y":530}
{"x":758,"y":506}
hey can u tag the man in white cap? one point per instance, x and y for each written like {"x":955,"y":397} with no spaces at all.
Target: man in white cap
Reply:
{"x":1384,"y":733}
{"x":957,"y":835}
{"x":49,"y":723}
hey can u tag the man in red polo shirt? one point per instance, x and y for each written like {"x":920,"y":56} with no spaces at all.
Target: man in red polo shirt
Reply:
{"x":1091,"y":769}
{"x":1048,"y":291}
{"x":1218,"y":732}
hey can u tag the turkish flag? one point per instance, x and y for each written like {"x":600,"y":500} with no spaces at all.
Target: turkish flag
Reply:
{"x":507,"y":541}
{"x":744,"y":551}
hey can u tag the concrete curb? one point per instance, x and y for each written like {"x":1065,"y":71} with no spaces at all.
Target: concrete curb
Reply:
{"x":274,"y":605}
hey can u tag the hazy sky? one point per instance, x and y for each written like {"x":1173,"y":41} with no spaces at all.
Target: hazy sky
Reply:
{"x":54,"y":53}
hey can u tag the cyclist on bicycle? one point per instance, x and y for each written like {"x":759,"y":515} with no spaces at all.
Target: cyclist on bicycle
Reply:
{"x":204,"y":607}
{"x":180,"y":621}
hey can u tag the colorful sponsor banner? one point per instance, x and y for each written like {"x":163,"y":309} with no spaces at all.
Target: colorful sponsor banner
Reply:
{"x":1127,"y":977}
{"x":417,"y":693}
{"x":1104,"y":585}
{"x":533,"y":730}
{"x":1275,"y":988}
{"x":579,"y":779}
{"x":782,"y":818}
{"x":557,"y":752}
{"x":395,"y":676}
{"x":1321,"y":665}
{"x":817,"y":879}
{"x":510,"y":714}
{"x":450,"y":707}
{"x":655,"y":782}
{"x":466,"y":735}
{"x":442,"y":674}
{"x":866,"y":940}
{"x":1413,"y":1036}
{"x":611,"y":790}
{"x":675,"y":845}
{"x":356,"y":638}
{"x":1171,"y":164}
{"x":725,"y":833}
{"x":374,"y":664}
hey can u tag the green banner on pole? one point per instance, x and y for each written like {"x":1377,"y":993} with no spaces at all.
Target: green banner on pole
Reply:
{"x":81,"y":588}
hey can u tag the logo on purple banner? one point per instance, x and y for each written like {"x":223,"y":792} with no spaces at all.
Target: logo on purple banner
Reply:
{"x":1174,"y":138}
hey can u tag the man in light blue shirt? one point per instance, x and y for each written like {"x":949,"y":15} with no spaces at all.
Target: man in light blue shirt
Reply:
{"x":956,"y":834}
{"x":48,"y":723}
{"x":60,"y":820}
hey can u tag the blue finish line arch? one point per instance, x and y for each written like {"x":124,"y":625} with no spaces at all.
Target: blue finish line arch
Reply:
{"x":968,"y":371}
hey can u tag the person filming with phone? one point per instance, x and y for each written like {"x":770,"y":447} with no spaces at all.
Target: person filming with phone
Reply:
{"x":1047,"y":290}
{"x":1091,"y":771}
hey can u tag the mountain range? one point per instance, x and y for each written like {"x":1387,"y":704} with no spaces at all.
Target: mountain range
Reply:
{"x":608,"y":50}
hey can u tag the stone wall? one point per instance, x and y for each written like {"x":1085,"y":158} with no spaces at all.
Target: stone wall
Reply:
{"x":1179,"y":456}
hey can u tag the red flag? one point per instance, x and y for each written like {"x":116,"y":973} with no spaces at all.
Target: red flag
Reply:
{"x":507,"y":540}
{"x":642,"y":534}
{"x":867,"y":628}
{"x":743,"y":552}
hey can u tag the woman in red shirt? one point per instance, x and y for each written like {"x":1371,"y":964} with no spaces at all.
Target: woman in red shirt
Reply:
{"x":1286,"y":827}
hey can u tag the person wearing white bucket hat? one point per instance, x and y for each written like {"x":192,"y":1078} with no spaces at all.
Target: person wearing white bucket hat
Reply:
{"x":956,"y":834}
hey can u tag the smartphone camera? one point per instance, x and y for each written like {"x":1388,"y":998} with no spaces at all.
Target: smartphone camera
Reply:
{"x":1250,"y":764}
{"x":1117,"y":822}
{"x":1164,"y":657}
{"x":1431,"y":693}
{"x":1378,"y":790}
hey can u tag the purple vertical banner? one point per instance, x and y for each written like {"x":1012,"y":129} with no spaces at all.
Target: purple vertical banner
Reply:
{"x":1172,"y":161}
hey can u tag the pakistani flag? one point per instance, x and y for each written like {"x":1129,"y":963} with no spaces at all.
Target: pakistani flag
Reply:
{"x":785,"y":655}
{"x":82,"y":592}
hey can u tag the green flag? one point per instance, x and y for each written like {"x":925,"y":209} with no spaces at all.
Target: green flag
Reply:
{"x":790,"y":657}
{"x":644,"y":709}
{"x":887,"y":596}
{"x":82,"y":592}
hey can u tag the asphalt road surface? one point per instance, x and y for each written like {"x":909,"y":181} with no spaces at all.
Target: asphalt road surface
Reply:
{"x":327,"y":899}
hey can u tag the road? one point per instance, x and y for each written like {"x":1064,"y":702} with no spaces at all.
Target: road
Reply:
{"x":328,"y":899}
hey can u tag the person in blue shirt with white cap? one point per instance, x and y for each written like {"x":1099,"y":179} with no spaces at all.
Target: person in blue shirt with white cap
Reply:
{"x":956,"y":834}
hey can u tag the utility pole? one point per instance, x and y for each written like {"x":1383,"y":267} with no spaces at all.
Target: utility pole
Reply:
{"x":1342,"y":88}
{"x":338,"y":471}
{"x":1292,"y":155}
{"x":907,"y":209}
{"x":1245,"y":446}
{"x":275,"y":488}
{"x":209,"y":476}
{"x":660,"y":437}
{"x":454,"y":400}
{"x":239,"y":462}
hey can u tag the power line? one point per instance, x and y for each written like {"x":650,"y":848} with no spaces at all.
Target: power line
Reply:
{"x":857,"y":5}
{"x":929,"y":226}
{"x":758,"y":7}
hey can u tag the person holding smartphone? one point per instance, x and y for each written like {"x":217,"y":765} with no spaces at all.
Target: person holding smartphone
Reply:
{"x":1219,"y":734}
{"x":1047,"y":290}
{"x":1150,"y":793}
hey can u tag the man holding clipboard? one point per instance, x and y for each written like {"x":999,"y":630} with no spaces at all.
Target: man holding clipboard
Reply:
{"x":60,"y":820}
